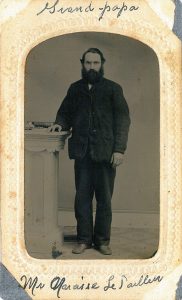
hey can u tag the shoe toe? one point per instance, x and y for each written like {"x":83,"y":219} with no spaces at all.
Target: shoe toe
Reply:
{"x":80,"y":248}
{"x":105,"y":250}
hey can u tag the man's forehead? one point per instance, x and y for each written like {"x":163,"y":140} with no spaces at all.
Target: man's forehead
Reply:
{"x":92,"y":57}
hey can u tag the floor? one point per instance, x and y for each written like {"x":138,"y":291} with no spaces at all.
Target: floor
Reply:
{"x":126,"y":243}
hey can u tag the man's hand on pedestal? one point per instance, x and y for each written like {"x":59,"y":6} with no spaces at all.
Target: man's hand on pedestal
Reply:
{"x":54,"y":128}
{"x":117,"y":159}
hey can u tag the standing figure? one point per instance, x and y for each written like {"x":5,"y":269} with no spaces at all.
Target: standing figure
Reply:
{"x":98,"y":115}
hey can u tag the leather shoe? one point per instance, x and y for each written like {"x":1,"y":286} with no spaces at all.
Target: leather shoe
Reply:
{"x":80,"y":248}
{"x":104,"y":249}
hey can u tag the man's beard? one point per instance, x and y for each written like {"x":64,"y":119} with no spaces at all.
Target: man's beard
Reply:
{"x":92,"y":76}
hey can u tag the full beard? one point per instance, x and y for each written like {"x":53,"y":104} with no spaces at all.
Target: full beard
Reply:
{"x":92,"y":76}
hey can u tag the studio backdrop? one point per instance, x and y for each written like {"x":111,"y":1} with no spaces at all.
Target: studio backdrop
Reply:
{"x":50,"y":69}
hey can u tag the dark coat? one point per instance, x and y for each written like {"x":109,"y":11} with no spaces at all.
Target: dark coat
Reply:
{"x":99,"y":116}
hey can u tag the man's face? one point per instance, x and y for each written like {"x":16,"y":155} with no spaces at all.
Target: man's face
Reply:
{"x":92,"y":62}
{"x":92,"y":69}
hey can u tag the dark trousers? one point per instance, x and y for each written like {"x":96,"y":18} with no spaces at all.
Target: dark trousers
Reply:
{"x":93,"y":177}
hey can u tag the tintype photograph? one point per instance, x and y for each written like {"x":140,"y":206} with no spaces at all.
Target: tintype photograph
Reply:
{"x":91,"y":149}
{"x":92,"y":160}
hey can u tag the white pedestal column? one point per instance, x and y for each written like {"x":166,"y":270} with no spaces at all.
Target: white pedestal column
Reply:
{"x":42,"y":233}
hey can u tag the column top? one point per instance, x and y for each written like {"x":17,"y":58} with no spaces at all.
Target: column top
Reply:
{"x":44,"y":132}
{"x":40,"y":139}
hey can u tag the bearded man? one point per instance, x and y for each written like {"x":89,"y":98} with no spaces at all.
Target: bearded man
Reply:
{"x":96,"y":111}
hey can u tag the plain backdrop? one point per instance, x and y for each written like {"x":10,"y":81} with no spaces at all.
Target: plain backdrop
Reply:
{"x":54,"y":64}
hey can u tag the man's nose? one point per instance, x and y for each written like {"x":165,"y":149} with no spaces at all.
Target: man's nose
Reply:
{"x":92,"y":66}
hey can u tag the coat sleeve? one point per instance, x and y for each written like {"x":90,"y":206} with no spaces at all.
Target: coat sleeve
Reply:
{"x":121,"y":120}
{"x":65,"y":112}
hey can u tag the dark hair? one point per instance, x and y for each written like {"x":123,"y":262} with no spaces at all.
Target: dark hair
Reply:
{"x":93,"y":50}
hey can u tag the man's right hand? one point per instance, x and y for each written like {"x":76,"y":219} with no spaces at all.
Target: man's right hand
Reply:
{"x":54,"y":128}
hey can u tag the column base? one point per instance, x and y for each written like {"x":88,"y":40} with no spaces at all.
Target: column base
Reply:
{"x":43,"y":246}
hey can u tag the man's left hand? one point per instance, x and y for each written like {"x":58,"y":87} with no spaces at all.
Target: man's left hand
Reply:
{"x":117,"y":159}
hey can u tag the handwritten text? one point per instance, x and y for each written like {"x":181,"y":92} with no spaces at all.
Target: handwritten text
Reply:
{"x":118,"y":9}
{"x":113,"y":282}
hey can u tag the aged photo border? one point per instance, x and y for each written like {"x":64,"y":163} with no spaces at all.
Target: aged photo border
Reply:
{"x":18,"y":37}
